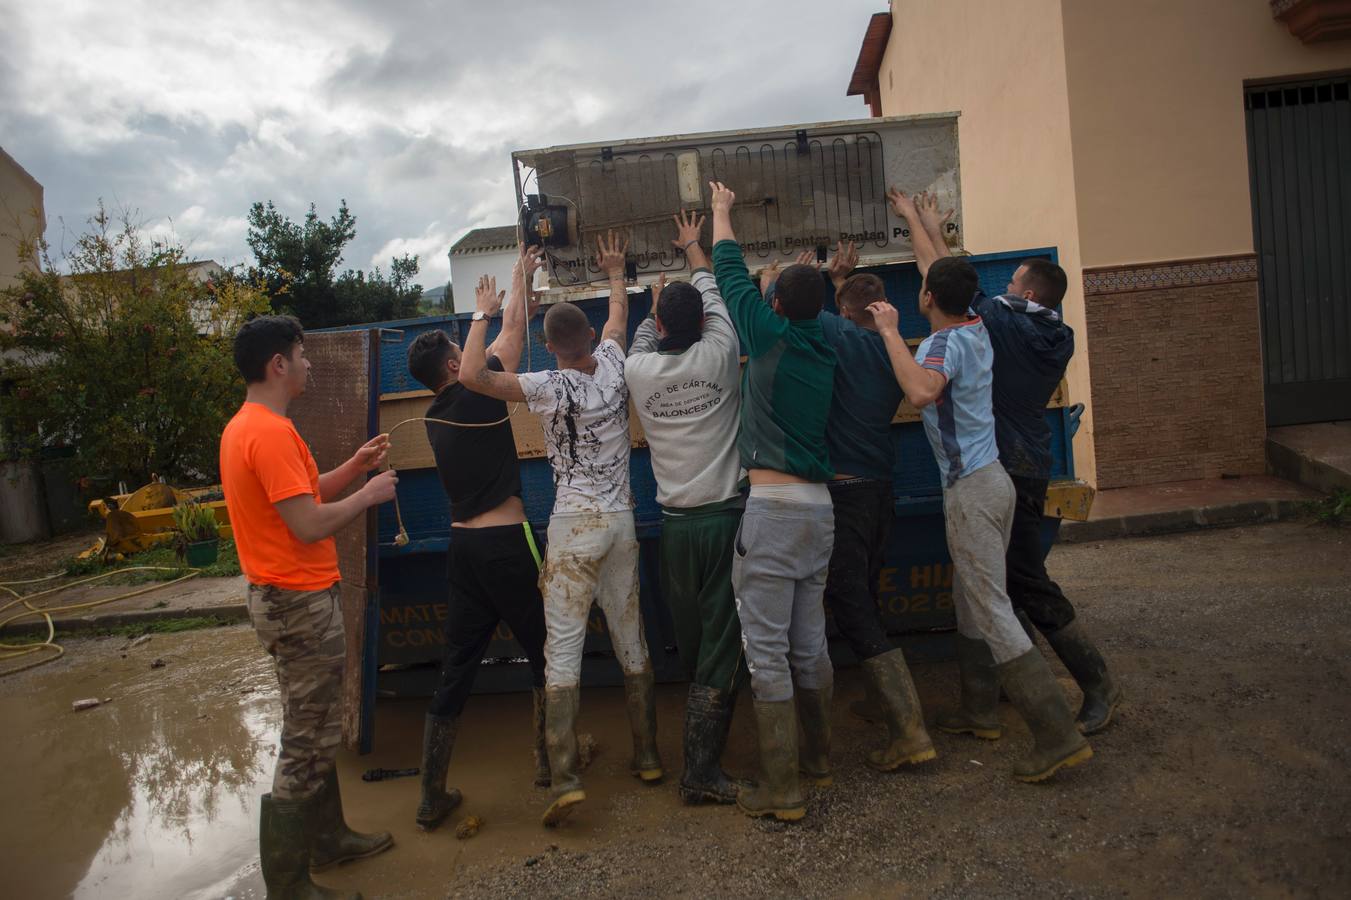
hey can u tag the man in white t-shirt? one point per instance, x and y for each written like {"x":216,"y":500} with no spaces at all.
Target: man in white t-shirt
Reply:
{"x":593,"y":546}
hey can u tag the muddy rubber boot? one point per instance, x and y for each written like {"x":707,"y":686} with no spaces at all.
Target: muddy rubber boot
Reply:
{"x":869,"y":709}
{"x":542,"y":777}
{"x":438,"y":740}
{"x":907,"y":741}
{"x":641,"y":697}
{"x":813,"y":709}
{"x":285,"y":833}
{"x":1081,"y":657}
{"x":978,"y":713}
{"x":1033,"y":691}
{"x":777,"y":793}
{"x":560,"y":729}
{"x":708,"y":719}
{"x":334,"y":842}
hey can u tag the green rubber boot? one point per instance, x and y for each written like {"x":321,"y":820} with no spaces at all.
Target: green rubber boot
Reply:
{"x":285,"y":833}
{"x":640,"y":696}
{"x":560,"y":730}
{"x":334,"y":842}
{"x":907,"y":741}
{"x":542,"y":777}
{"x":708,"y":719}
{"x":978,"y":713}
{"x":1033,"y":691}
{"x":1081,"y":657}
{"x":438,"y":740}
{"x":777,"y":793}
{"x":869,"y":709}
{"x":813,"y":709}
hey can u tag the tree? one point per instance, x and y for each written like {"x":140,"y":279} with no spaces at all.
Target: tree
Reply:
{"x":299,"y":263}
{"x":127,"y":359}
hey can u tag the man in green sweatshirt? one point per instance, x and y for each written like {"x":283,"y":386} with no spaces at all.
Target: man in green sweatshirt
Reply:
{"x":783,"y":547}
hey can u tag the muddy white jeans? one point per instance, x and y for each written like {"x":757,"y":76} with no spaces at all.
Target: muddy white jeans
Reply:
{"x":591,"y":556}
{"x":978,"y":514}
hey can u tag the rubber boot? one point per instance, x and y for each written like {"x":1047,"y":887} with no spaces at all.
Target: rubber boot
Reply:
{"x":708,"y":719}
{"x":978,"y":713}
{"x":640,"y":695}
{"x":334,"y":842}
{"x":1081,"y":657}
{"x":438,"y":740}
{"x":869,"y":709}
{"x":907,"y":741}
{"x":560,"y":729}
{"x":285,"y":834}
{"x":1033,"y":690}
{"x":777,"y":793}
{"x":542,"y":778}
{"x":813,"y":709}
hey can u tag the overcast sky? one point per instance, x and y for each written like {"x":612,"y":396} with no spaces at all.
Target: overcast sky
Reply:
{"x":189,"y":112}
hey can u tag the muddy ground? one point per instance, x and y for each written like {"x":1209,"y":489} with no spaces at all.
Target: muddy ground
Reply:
{"x":1225,"y":775}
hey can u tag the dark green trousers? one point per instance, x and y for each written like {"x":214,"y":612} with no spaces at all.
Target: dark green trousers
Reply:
{"x":696,"y":582}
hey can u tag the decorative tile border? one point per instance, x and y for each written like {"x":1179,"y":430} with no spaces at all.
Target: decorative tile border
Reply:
{"x":1174,"y":274}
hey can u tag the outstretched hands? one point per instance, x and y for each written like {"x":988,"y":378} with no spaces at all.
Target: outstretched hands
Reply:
{"x":933,"y":220}
{"x":842,"y":263}
{"x":487,"y":298}
{"x":610,"y":252}
{"x":688,"y":225}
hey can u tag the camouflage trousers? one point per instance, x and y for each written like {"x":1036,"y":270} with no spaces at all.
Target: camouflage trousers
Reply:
{"x":302,"y":632}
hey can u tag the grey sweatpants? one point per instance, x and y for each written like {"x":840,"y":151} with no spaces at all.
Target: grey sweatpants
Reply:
{"x":978,"y":513}
{"x":779,"y":576}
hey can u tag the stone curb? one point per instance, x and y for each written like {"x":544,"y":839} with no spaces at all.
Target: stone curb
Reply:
{"x":1290,"y":464}
{"x":231,"y":612}
{"x":1225,"y":515}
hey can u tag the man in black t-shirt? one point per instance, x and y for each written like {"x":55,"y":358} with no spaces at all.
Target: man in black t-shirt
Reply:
{"x":493,"y":562}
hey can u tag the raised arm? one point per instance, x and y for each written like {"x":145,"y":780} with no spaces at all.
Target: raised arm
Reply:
{"x":645,"y":337}
{"x":933,"y":221}
{"x":474,"y":371}
{"x":610,"y":260}
{"x":904,"y":206}
{"x":521,"y":308}
{"x":312,"y":521}
{"x":368,"y":456}
{"x":759,"y":326}
{"x":921,"y":386}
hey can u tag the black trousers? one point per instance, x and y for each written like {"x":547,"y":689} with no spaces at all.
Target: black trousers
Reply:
{"x":494,"y":577}
{"x":863,"y":513}
{"x":1030,"y":588}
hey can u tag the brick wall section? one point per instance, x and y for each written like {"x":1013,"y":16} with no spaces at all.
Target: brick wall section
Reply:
{"x":1175,"y":355}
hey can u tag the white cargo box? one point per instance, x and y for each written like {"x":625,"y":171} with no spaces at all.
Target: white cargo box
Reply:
{"x":798,"y":187}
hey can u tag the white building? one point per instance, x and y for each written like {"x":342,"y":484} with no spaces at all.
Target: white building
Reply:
{"x":483,"y":251}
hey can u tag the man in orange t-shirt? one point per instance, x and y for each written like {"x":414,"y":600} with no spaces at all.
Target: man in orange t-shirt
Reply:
{"x":284,"y":514}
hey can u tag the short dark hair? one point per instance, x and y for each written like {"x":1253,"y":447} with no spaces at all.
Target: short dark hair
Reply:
{"x":800,"y":292}
{"x":860,"y":290}
{"x":680,"y":308}
{"x":1047,"y":281}
{"x":260,"y":339}
{"x":953,"y":283}
{"x":568,"y":329}
{"x":427,"y":357}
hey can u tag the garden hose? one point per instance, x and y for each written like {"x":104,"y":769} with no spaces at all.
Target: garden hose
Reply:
{"x":14,"y":651}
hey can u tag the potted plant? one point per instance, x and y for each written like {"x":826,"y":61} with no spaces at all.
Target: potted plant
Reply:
{"x":198,"y":540}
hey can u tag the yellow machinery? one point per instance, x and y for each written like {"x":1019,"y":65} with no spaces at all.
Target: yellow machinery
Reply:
{"x":145,"y":517}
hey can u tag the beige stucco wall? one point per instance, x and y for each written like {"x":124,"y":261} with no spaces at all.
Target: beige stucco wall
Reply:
{"x":1156,"y":113}
{"x":1002,"y":65}
{"x":21,"y":214}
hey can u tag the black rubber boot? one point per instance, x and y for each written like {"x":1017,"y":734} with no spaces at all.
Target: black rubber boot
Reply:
{"x":869,"y":709}
{"x":777,"y":793}
{"x":640,"y":695}
{"x":978,"y":713}
{"x":1081,"y":657}
{"x":907,"y":741}
{"x":1033,"y":691}
{"x":285,"y":834}
{"x":542,"y":778}
{"x":813,"y":709}
{"x":334,"y":842}
{"x":438,"y":740}
{"x":708,"y":719}
{"x":560,"y":729}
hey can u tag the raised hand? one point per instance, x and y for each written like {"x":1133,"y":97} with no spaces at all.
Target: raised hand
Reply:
{"x":768,"y":275}
{"x":723,"y":198}
{"x":688,"y":225}
{"x":372,"y":453}
{"x":929,"y":215}
{"x":885,"y":316}
{"x":901,"y":204}
{"x":806,"y":258}
{"x":842,"y":263}
{"x":487,"y":298}
{"x":610,"y":252}
{"x":528,"y":263}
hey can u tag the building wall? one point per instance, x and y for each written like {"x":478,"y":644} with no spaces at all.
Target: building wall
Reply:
{"x":1002,"y":65}
{"x":21,"y":215}
{"x":467,"y":268}
{"x":1161,"y":175}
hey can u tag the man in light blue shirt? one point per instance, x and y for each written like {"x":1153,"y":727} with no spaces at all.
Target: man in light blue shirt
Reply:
{"x":949,"y":379}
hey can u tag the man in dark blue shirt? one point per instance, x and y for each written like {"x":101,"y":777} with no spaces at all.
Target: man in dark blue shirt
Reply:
{"x":1032,"y":347}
